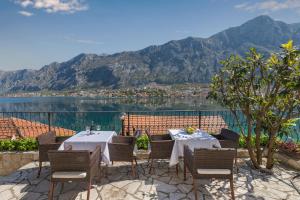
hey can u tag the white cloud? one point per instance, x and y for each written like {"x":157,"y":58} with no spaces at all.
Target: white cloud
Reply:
{"x":25,"y":13}
{"x":242,"y":6}
{"x":270,"y":5}
{"x":83,"y":41}
{"x":26,"y":3}
{"x":53,"y":6}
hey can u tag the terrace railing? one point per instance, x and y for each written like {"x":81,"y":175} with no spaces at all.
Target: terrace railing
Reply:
{"x":160,"y":121}
{"x":31,"y":124}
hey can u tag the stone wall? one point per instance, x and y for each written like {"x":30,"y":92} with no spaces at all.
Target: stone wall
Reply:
{"x":11,"y":161}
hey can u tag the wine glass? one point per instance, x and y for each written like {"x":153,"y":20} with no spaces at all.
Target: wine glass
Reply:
{"x":88,"y":129}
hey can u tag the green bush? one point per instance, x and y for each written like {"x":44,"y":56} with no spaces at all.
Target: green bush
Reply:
{"x":26,"y":144}
{"x":263,"y":141}
{"x":142,"y":142}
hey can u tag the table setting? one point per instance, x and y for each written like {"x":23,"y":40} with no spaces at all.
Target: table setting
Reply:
{"x":194,"y":138}
{"x":89,"y":140}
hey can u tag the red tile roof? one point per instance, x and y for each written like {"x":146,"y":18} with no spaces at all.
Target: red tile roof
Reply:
{"x":160,"y":124}
{"x":16,"y":127}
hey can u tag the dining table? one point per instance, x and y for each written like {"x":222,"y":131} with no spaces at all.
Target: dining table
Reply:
{"x":198,"y":139}
{"x":89,"y":140}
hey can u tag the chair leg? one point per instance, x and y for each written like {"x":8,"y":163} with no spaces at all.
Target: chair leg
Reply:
{"x":62,"y":187}
{"x":151,"y":165}
{"x":106,"y":171}
{"x":195,"y":189}
{"x":135,"y":161}
{"x":88,"y":189}
{"x":184,"y":172}
{"x":235,"y":162}
{"x":40,"y":169}
{"x":112,"y":162}
{"x":232,"y":189}
{"x":51,"y":190}
{"x":149,"y":158}
{"x":236,"y":166}
{"x":133,"y":169}
{"x":99,"y":171}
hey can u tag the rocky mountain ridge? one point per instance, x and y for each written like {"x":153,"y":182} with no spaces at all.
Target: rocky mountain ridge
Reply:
{"x":190,"y":60}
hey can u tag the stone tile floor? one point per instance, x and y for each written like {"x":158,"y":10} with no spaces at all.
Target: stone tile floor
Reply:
{"x":162,"y":184}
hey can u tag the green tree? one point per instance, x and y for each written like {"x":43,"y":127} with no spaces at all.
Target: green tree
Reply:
{"x":266,"y":91}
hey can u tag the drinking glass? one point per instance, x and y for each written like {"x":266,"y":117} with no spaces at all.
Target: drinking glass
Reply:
{"x":98,"y":127}
{"x":88,"y":129}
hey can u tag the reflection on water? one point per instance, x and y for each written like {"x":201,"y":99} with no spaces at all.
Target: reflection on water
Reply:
{"x":104,"y":104}
{"x":108,"y":120}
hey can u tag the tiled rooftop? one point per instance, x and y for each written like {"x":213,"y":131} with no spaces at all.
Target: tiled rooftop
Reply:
{"x":160,"y":124}
{"x":249,"y":184}
{"x":16,"y":127}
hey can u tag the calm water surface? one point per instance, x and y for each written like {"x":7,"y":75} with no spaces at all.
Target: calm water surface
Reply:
{"x":104,"y":104}
{"x":80,"y":108}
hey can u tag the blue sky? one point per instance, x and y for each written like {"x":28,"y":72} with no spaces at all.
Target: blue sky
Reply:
{"x":37,"y":32}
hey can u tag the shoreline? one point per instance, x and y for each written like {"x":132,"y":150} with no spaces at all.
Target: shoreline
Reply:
{"x":178,"y":91}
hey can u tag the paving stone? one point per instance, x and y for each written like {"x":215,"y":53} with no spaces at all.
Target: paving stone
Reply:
{"x":175,"y":180}
{"x":177,"y":196}
{"x":165,"y":179}
{"x":111,"y":192}
{"x":43,"y":186}
{"x":119,"y":184}
{"x":6,"y":187}
{"x":68,"y":195}
{"x":162,"y":195}
{"x":32,"y":196}
{"x":94,"y":194}
{"x":276,"y":193}
{"x":28,"y":166}
{"x":163,"y":187}
{"x":132,"y":187}
{"x":145,"y":188}
{"x":7,"y":194}
{"x":19,"y":190}
{"x":184,"y":188}
{"x":130,"y":197}
{"x":292,"y":197}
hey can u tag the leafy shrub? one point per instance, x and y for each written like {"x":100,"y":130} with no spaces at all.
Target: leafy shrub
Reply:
{"x":142,"y":142}
{"x":242,"y":142}
{"x":263,"y":141}
{"x":26,"y":144}
{"x":289,"y":146}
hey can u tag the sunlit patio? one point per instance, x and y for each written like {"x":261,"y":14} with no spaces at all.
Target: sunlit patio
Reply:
{"x":117,"y":183}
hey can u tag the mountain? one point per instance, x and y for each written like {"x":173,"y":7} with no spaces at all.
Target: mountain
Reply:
{"x":190,"y":60}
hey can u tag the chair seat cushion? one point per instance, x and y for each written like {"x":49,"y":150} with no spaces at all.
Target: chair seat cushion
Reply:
{"x":69,"y":175}
{"x":214,"y":171}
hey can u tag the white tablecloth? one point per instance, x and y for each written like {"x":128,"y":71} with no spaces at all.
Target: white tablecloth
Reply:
{"x":199,"y":139}
{"x":85,"y":141}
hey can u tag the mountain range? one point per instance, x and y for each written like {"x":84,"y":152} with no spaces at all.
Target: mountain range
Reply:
{"x":190,"y":60}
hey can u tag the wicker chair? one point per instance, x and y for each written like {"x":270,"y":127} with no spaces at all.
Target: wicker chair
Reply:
{"x":74,"y":165}
{"x":209,"y":163}
{"x":161,"y":148}
{"x":229,"y":139}
{"x":121,"y":149}
{"x":46,"y":142}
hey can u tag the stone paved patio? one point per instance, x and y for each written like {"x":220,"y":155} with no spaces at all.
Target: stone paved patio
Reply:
{"x":249,"y":184}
